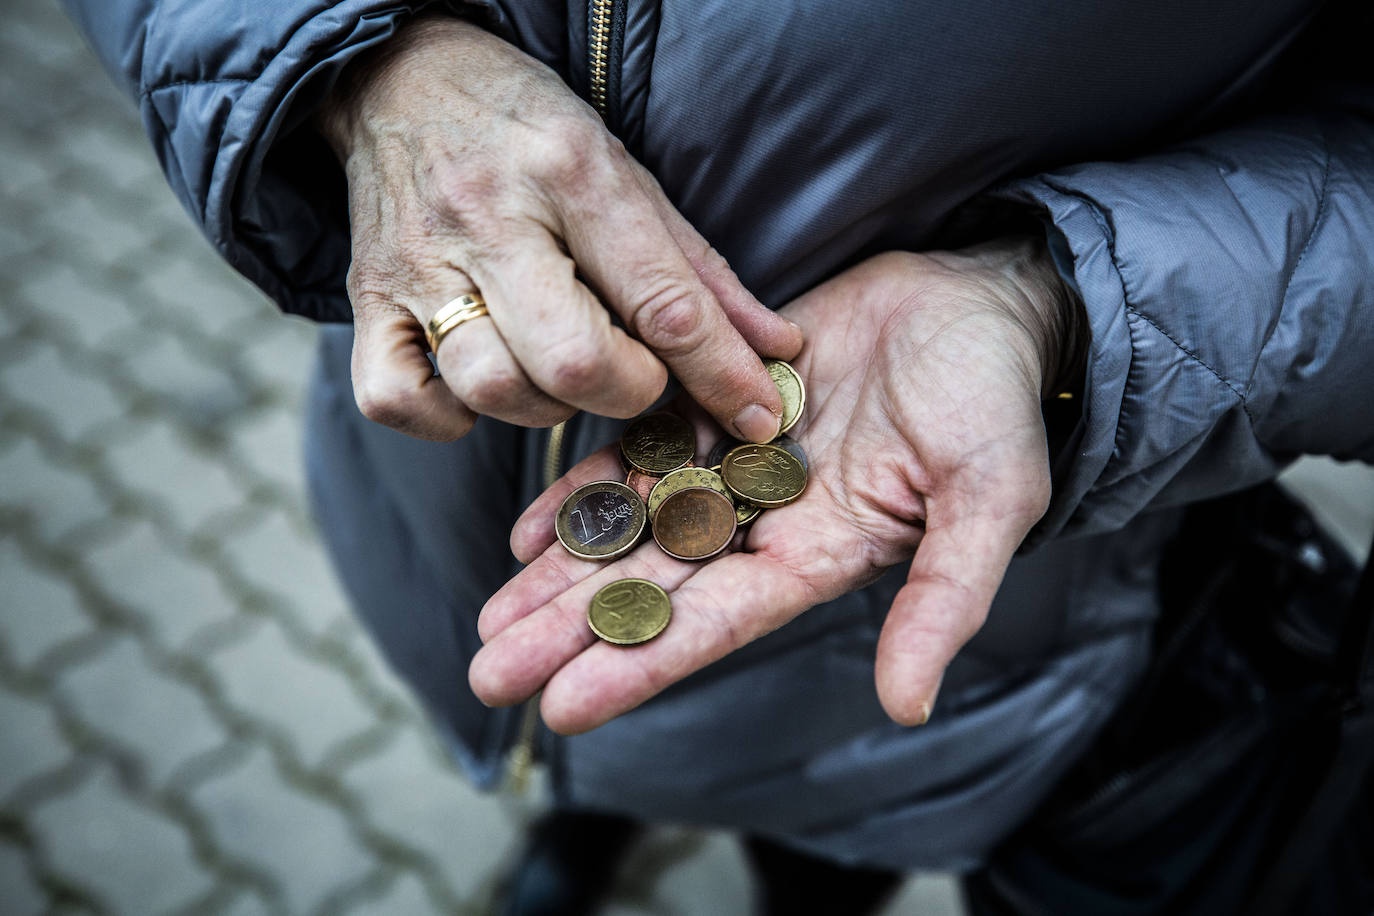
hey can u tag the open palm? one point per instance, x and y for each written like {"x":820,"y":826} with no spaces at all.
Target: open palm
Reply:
{"x":923,"y":429}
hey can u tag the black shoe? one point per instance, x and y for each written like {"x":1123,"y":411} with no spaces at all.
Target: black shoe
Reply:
{"x":792,"y":883}
{"x":569,"y":864}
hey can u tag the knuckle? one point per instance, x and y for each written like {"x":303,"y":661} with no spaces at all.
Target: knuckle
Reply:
{"x":456,"y":193}
{"x":495,"y":388}
{"x":671,"y":320}
{"x":575,"y":370}
{"x":567,"y":150}
{"x":382,"y":404}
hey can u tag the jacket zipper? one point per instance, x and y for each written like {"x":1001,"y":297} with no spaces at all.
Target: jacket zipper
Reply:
{"x":600,"y":37}
{"x":600,"y":16}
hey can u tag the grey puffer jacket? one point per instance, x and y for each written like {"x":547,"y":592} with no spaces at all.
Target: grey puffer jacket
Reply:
{"x":1204,"y":183}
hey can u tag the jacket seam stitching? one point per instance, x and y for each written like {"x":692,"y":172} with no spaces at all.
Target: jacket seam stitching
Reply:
{"x":1323,"y":197}
{"x":207,"y":82}
{"x":1110,"y":239}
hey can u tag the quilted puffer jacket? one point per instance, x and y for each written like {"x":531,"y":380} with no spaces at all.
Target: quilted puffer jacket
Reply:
{"x":1204,"y":174}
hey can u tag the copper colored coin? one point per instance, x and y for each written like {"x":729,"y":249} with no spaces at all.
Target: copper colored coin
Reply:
{"x":694,"y":524}
{"x":641,"y":483}
{"x":682,"y":479}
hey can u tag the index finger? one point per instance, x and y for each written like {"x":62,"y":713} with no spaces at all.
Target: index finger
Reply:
{"x":636,"y":264}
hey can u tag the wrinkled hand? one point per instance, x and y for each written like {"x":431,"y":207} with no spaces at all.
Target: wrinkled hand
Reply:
{"x":923,"y":429}
{"x":471,"y":166}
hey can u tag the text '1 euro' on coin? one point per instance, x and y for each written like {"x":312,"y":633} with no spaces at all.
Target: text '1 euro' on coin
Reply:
{"x":601,"y":520}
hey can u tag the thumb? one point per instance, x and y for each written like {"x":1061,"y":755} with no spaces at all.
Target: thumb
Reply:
{"x":954,"y":577}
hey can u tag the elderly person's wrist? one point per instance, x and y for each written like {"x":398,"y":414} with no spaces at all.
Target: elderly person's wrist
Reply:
{"x":1023,"y":274}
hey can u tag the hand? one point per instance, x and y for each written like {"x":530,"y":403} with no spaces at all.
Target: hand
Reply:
{"x":923,"y":429}
{"x":471,"y":166}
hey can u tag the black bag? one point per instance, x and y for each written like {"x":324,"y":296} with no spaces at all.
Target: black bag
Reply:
{"x":1239,"y":778}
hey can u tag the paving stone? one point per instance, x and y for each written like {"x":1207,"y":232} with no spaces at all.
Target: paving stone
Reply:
{"x":929,"y":895}
{"x":285,"y":357}
{"x":204,"y":290}
{"x":14,"y":245}
{"x":32,"y":745}
{"x":97,"y":232}
{"x":37,"y":610}
{"x":271,"y":441}
{"x":257,"y":817}
{"x":124,"y":165}
{"x":685,"y":872}
{"x":121,"y":696}
{"x":128,"y":854}
{"x":45,"y":381}
{"x":280,"y":559}
{"x":159,"y":463}
{"x":77,"y":308}
{"x":204,"y":394}
{"x":22,"y":897}
{"x":405,"y":897}
{"x":178,"y":595}
{"x":57,"y":498}
{"x":246,"y":905}
{"x":430,"y":806}
{"x":311,"y":703}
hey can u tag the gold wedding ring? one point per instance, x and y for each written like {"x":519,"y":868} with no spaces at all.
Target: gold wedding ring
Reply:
{"x":454,"y":312}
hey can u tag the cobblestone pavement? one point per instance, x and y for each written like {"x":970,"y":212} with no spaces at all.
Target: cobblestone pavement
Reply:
{"x":192,"y":722}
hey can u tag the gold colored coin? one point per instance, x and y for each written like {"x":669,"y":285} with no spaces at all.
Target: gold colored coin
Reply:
{"x":629,"y":611}
{"x":658,"y":443}
{"x":681,"y":479}
{"x":695,"y":524}
{"x":745,"y":513}
{"x":601,"y":520}
{"x":792,"y":390}
{"x":763,"y":475}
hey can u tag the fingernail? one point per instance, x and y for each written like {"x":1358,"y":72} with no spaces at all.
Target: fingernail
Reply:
{"x":757,"y":423}
{"x":925,"y":714}
{"x":793,"y":323}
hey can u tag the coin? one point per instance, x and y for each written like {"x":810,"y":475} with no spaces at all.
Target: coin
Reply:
{"x":681,"y":479}
{"x":746,"y":513}
{"x":629,"y":611}
{"x":601,"y":520}
{"x":718,"y":451}
{"x":791,"y":388}
{"x":658,"y":443}
{"x":794,"y":449}
{"x":643,"y":484}
{"x":764,"y":475}
{"x":695,"y":523}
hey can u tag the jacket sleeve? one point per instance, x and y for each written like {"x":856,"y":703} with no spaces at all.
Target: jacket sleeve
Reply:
{"x":1229,"y":286}
{"x":222,"y":87}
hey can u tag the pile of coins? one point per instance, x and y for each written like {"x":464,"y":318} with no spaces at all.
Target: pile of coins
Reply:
{"x":693,"y":512}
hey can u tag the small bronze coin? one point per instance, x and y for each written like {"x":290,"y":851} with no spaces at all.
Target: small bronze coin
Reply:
{"x":642,"y":484}
{"x":763,"y":475}
{"x":601,"y":520}
{"x":629,"y":611}
{"x":695,"y":523}
{"x":681,"y":479}
{"x":658,"y":443}
{"x":792,"y":390}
